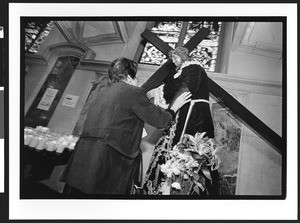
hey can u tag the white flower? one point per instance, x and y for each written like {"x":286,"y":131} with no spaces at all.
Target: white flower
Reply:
{"x":176,"y":168}
{"x":176,"y":185}
{"x":165,"y":188}
{"x":183,"y":156}
{"x":204,"y":150}
{"x":175,"y":149}
{"x":185,"y":176}
{"x":185,"y":163}
{"x":192,"y":163}
{"x":167,"y":170}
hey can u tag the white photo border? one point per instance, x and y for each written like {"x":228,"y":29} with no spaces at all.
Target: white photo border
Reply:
{"x":151,"y":209}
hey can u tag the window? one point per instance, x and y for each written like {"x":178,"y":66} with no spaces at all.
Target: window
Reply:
{"x":35,"y":34}
{"x":178,"y":33}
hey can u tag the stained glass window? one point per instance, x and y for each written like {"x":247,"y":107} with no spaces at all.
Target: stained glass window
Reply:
{"x":35,"y":34}
{"x":206,"y":52}
{"x":171,"y":32}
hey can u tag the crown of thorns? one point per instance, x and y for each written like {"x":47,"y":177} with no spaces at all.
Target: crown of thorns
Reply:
{"x":181,"y":51}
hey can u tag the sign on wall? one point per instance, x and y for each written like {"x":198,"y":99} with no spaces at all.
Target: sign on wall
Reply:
{"x":70,"y":100}
{"x":47,"y":99}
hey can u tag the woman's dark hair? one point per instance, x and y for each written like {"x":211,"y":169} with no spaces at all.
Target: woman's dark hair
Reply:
{"x":121,"y":68}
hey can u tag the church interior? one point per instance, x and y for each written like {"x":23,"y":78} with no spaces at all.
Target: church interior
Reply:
{"x":65,"y":63}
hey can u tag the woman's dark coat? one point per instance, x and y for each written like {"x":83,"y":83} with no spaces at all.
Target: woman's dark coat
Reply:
{"x":105,"y":156}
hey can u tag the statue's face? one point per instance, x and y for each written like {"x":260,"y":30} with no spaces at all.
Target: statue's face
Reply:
{"x":177,"y":60}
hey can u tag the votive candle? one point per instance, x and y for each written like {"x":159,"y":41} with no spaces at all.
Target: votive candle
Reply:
{"x":27,"y":139}
{"x":51,"y":146}
{"x":41,"y":143}
{"x":60,"y":148}
{"x":34,"y":141}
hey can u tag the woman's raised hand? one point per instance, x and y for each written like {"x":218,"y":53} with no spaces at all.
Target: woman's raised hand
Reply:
{"x":181,"y":100}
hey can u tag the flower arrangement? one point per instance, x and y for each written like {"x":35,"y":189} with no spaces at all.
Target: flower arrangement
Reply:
{"x":189,"y":162}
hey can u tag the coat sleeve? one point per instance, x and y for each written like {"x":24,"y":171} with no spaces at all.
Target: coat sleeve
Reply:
{"x":150,"y":113}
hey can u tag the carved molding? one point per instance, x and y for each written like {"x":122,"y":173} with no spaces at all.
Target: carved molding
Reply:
{"x":94,"y":65}
{"x":70,"y":49}
{"x":87,"y":56}
{"x":34,"y":59}
{"x":229,"y":82}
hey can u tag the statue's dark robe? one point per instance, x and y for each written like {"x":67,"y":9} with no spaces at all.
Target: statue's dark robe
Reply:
{"x":193,"y":78}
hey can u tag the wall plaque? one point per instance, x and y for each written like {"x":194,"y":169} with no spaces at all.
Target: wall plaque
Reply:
{"x":47,"y":99}
{"x":70,"y":100}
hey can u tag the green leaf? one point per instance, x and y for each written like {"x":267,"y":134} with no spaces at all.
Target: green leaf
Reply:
{"x":196,"y":156}
{"x":206,"y":173}
{"x":201,"y":180}
{"x":196,"y":176}
{"x":200,"y":185}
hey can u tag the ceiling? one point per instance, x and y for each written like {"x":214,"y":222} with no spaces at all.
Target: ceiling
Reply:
{"x":261,"y":38}
{"x":93,"y":32}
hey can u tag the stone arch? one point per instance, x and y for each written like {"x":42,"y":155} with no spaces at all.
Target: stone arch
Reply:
{"x":47,"y":61}
{"x":69,"y":49}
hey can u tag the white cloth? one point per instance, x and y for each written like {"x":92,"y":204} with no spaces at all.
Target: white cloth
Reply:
{"x":144,"y":133}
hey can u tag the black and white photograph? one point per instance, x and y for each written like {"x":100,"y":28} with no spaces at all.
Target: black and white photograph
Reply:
{"x":74,"y":115}
{"x":172,"y":106}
